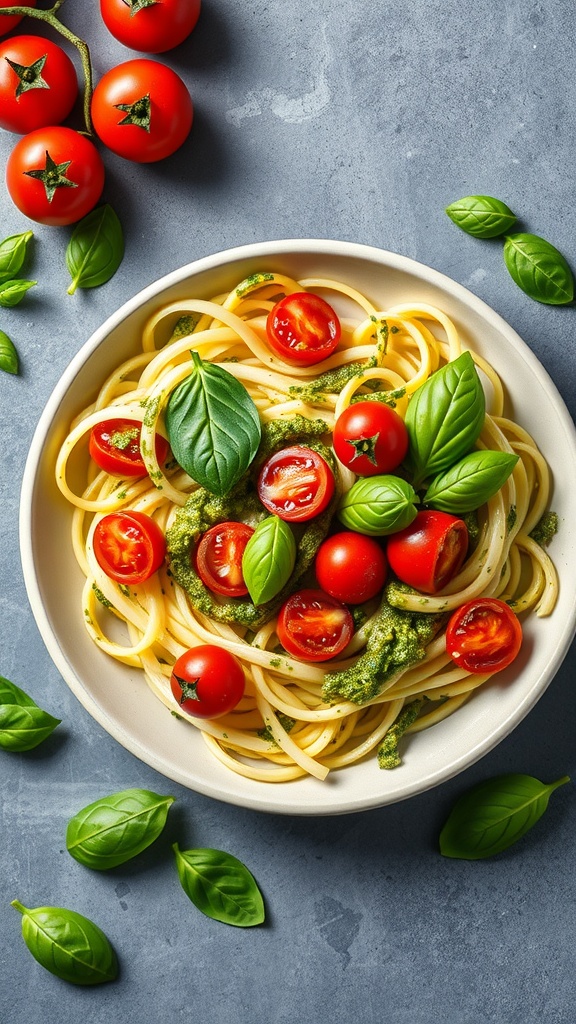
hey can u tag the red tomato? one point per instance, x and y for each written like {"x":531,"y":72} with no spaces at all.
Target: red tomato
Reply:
{"x":151,"y":27}
{"x":219,"y":558}
{"x":55,"y":175}
{"x":38,"y":84}
{"x":296,"y":484}
{"x":483,"y":635}
{"x":142,"y":110}
{"x":351,"y":567}
{"x":314,"y":626}
{"x":302,"y":328}
{"x":129,"y":546}
{"x":370,"y":438}
{"x":9,"y":21}
{"x":207,"y":681}
{"x":429,"y":552}
{"x":115,"y":447}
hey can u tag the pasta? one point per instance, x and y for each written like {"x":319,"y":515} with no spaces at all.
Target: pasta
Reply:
{"x":284,"y":727}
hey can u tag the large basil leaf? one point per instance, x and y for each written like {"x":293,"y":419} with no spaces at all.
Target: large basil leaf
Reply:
{"x":220,"y":886}
{"x":95,"y":250}
{"x":481,"y":216}
{"x":8,"y":354}
{"x":471,"y":482}
{"x":116,"y":828}
{"x":12,"y":694}
{"x":23,"y":728}
{"x":444,"y":418}
{"x":213,"y":426}
{"x":495,"y":814}
{"x":268,"y":560}
{"x":68,"y":944}
{"x":539,"y":269}
{"x":378,"y":505}
{"x":13,"y":254}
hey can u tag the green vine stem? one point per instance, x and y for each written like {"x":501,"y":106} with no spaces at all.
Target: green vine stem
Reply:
{"x":50,"y":18}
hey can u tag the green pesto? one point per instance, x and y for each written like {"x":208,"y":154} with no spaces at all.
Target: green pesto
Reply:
{"x":251,"y":282}
{"x":151,"y":406}
{"x":546,"y":529}
{"x":473,"y":526}
{"x":100,"y":597}
{"x":331,"y":382}
{"x":381,"y":339}
{"x":390,"y":398}
{"x":186,"y":325}
{"x":511,"y":518}
{"x":122,"y":439}
{"x":286,"y":723}
{"x":388,"y":756}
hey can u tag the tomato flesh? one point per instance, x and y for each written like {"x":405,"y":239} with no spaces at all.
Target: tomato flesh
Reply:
{"x":115,"y":447}
{"x":302,"y":328}
{"x":370,"y":438}
{"x":296,"y":484}
{"x":219,"y":558}
{"x":483,"y":635}
{"x":427,"y":554}
{"x":314,"y":626}
{"x":350,"y":567}
{"x":129,"y":546}
{"x":207,"y":681}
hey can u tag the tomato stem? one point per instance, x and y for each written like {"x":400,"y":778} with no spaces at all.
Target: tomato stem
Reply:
{"x":50,"y":18}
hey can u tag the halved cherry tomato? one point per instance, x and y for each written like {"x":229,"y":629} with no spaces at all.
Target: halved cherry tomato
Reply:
{"x":302,"y":328}
{"x":296,"y":484}
{"x":428,"y":553}
{"x":483,"y":635}
{"x":207,"y":681}
{"x":129,"y":546}
{"x":350,"y":567}
{"x":370,"y":438}
{"x":314,"y":626}
{"x":219,"y":558}
{"x":115,"y":447}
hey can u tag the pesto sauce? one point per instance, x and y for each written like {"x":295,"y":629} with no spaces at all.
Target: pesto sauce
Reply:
{"x":388,"y":756}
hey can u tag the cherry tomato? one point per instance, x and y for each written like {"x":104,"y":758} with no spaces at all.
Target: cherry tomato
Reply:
{"x":55,"y":175}
{"x":153,"y":27}
{"x":296,"y":484}
{"x":302,"y":329}
{"x":142,"y":110}
{"x":483,"y":635}
{"x":9,"y":21}
{"x":129,"y":546}
{"x":429,"y":552}
{"x":370,"y":438}
{"x":351,"y":567}
{"x":115,"y":447}
{"x":38,"y":84}
{"x":219,"y":558}
{"x":207,"y":681}
{"x":314,"y":626}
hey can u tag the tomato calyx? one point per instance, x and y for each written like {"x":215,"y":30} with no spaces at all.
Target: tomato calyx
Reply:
{"x":52,"y":176}
{"x":364,"y":447}
{"x":189,"y":688}
{"x":29,"y":75}
{"x":139,"y":5}
{"x":137,"y":113}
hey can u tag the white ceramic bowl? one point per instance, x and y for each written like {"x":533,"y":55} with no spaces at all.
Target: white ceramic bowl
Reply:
{"x":117,"y":696}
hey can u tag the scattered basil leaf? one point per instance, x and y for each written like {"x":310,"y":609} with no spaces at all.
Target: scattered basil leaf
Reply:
{"x":481,"y":216}
{"x":220,"y":886}
{"x":444,"y":418}
{"x":539,"y":269}
{"x":116,"y":828}
{"x":95,"y":250}
{"x":68,"y":944}
{"x":495,"y":814}
{"x":23,"y":728}
{"x":8,"y":354}
{"x":12,"y":292}
{"x":12,"y":694}
{"x":213,"y":426}
{"x":471,"y":482}
{"x":378,"y":505}
{"x":268,"y":560}
{"x":13,"y":254}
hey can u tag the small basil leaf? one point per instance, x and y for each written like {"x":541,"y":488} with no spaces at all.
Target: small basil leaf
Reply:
{"x":378,"y":505}
{"x":495,"y":814}
{"x":13,"y":254}
{"x":116,"y":828}
{"x":68,"y":944}
{"x":444,"y":418}
{"x":220,"y":886}
{"x":12,"y":292}
{"x":12,"y":694}
{"x":539,"y":269}
{"x":268,"y":560}
{"x":481,"y":216}
{"x":24,"y":727}
{"x":213,"y":426}
{"x":8,"y":354}
{"x":471,"y":482}
{"x":95,"y":250}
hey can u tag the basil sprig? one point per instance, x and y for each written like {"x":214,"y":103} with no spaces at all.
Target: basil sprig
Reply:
{"x":68,"y":944}
{"x":12,"y":292}
{"x":378,"y":505}
{"x":116,"y":828}
{"x":471,"y":482}
{"x":9,"y":361}
{"x":493,"y":815}
{"x":95,"y":250}
{"x":481,"y":216}
{"x":13,"y":254}
{"x":23,"y":725}
{"x":221,"y":886}
{"x":213,"y":426}
{"x":539,"y":269}
{"x":268,"y":560}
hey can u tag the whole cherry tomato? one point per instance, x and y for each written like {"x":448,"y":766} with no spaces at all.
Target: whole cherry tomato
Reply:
{"x":370,"y":438}
{"x":115,"y":447}
{"x":296,"y":484}
{"x":483,"y":635}
{"x":9,"y":21}
{"x":350,"y":567}
{"x":55,"y":175}
{"x":129,"y":546}
{"x":303,"y":329}
{"x":314,"y":626}
{"x":142,"y":110}
{"x":38,"y":84}
{"x":427,"y":554}
{"x":151,"y":26}
{"x":207,"y":681}
{"x":219,"y":558}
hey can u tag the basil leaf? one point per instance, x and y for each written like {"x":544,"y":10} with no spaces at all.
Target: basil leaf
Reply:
{"x":481,"y":216}
{"x":12,"y":694}
{"x":68,"y":944}
{"x":539,"y":269}
{"x":268,"y":560}
{"x":95,"y":250}
{"x":220,"y":886}
{"x":8,"y":354}
{"x":378,"y":505}
{"x":23,"y":728}
{"x":444,"y":418}
{"x":495,"y":814}
{"x":471,"y":482}
{"x":12,"y":292}
{"x":13,"y":254}
{"x":213,"y":426}
{"x":116,"y":828}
